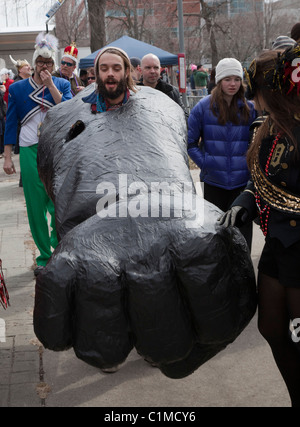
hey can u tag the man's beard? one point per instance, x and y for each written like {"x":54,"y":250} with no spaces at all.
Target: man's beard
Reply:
{"x":111,"y":94}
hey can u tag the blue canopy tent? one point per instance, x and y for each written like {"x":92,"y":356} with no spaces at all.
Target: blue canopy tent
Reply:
{"x":135,"y":48}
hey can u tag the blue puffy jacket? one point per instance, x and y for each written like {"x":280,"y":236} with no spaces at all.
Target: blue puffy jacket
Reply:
{"x":221,"y":155}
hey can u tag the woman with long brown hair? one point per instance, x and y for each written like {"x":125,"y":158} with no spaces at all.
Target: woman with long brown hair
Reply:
{"x":273,"y":195}
{"x":221,"y":123}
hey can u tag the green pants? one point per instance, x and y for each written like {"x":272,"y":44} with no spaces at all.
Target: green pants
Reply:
{"x":38,"y":204}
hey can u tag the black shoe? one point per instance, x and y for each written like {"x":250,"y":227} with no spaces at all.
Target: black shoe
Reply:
{"x":38,"y":270}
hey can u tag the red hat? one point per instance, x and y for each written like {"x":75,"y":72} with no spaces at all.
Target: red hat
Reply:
{"x":71,"y":52}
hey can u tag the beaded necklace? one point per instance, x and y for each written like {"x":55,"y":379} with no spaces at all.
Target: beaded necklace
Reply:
{"x":266,"y":209}
{"x":43,"y":110}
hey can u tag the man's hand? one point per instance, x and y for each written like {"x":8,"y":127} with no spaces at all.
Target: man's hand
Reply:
{"x":80,"y":88}
{"x":46,"y":78}
{"x":9,"y":166}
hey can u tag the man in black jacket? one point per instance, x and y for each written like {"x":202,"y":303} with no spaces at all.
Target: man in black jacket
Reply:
{"x":150,"y":66}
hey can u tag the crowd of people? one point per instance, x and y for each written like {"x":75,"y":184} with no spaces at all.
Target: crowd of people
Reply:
{"x":245,"y":143}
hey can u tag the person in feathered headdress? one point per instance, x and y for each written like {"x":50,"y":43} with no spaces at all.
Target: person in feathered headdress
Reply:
{"x":273,"y":195}
{"x":67,"y":69}
{"x":29,"y":101}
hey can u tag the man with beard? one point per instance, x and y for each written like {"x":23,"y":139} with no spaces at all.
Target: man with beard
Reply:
{"x":113,"y":85}
{"x":113,"y":80}
{"x":29,"y":101}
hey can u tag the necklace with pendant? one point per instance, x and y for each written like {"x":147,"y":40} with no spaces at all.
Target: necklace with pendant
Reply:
{"x":266,"y":209}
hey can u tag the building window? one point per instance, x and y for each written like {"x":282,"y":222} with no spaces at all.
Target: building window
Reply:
{"x":174,"y":32}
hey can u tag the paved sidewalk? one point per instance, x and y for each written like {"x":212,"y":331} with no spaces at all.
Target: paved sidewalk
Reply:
{"x":244,"y":374}
{"x":19,"y":357}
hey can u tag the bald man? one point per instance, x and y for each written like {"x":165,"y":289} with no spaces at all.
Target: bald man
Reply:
{"x":150,"y":66}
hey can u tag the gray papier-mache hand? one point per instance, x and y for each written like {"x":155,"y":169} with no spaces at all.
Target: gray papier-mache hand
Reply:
{"x":177,"y":291}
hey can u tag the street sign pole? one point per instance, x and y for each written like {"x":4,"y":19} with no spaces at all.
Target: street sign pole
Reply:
{"x":181,"y":42}
{"x":53,"y":11}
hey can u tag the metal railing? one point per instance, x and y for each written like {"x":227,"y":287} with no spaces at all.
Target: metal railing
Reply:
{"x":192,"y":101}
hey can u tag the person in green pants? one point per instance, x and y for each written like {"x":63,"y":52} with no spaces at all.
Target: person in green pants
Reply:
{"x":28,"y":103}
{"x":38,"y":204}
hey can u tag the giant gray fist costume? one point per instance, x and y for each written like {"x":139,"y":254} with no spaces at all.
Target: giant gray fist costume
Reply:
{"x":177,"y":290}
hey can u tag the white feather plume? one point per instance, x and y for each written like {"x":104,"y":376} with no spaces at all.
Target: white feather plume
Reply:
{"x":46,"y":40}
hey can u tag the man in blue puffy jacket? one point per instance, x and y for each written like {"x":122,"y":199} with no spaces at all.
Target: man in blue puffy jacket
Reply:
{"x":218,"y":137}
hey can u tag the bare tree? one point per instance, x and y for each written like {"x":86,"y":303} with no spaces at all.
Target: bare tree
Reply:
{"x":161,"y":29}
{"x":238,"y":35}
{"x":209,"y":11}
{"x":131,"y":19}
{"x":97,"y":10}
{"x":276,"y":21}
{"x":24,"y":12}
{"x":71,"y":24}
{"x":241,"y":33}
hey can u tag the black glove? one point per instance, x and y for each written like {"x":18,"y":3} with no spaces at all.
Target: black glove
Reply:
{"x":236,"y":216}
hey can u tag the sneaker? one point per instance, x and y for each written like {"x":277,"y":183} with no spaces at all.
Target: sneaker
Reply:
{"x":38,"y":270}
{"x":111,"y":370}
